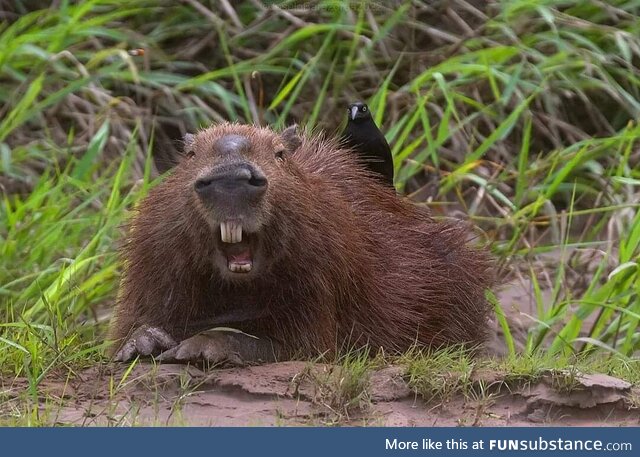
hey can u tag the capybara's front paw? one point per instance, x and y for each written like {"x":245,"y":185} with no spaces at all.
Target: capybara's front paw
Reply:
{"x":210,"y":347}
{"x":145,"y":341}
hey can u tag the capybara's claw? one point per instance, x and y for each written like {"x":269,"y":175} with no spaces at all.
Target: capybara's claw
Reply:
{"x":202,"y":347}
{"x":145,"y":341}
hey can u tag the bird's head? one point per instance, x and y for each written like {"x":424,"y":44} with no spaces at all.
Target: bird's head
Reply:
{"x":359,"y":111}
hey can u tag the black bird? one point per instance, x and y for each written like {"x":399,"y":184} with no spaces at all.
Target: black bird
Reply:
{"x":364,"y":137}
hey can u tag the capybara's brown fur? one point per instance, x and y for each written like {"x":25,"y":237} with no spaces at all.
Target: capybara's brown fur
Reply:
{"x":337,"y":257}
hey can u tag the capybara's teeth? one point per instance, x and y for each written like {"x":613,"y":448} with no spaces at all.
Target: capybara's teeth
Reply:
{"x":225,"y":232}
{"x":231,"y":232}
{"x":234,"y":232}
{"x":239,"y":267}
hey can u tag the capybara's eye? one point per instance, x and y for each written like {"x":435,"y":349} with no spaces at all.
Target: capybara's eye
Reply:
{"x":190,"y":154}
{"x":280,"y":154}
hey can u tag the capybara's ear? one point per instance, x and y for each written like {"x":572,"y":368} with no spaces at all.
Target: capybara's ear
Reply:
{"x":187,"y":142}
{"x":171,"y":152}
{"x":290,"y":137}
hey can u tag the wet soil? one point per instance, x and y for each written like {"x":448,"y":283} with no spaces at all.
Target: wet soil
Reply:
{"x":301,"y":393}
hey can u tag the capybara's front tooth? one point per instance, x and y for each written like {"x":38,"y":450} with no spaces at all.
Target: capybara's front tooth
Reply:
{"x":225,"y":232}
{"x":231,"y":232}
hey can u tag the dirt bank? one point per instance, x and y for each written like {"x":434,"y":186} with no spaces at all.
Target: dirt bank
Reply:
{"x":299,"y":393}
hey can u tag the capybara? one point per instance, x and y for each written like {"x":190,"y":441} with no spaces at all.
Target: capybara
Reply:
{"x":288,"y":240}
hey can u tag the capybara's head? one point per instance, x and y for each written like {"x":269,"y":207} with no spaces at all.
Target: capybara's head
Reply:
{"x":231,"y":173}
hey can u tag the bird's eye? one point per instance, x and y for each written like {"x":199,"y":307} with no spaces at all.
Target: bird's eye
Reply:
{"x":364,"y":109}
{"x":280,"y":154}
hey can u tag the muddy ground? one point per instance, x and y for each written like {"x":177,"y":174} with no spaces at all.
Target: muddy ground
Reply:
{"x":299,"y":393}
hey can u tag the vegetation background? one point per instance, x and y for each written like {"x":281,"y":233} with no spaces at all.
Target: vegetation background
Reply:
{"x":519,"y":115}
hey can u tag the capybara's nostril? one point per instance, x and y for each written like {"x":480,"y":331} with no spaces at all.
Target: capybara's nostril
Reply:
{"x":237,"y":181}
{"x":201,"y":184}
{"x":258,"y":180}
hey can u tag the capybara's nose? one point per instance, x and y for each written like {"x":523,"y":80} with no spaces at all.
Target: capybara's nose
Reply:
{"x":242,"y":181}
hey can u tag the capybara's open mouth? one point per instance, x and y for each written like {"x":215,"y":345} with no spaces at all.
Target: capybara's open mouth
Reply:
{"x":236,"y":246}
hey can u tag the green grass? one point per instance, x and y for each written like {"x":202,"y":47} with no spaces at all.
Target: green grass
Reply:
{"x":60,"y":266}
{"x":342,"y":387}
{"x":439,"y":376}
{"x":522,"y":117}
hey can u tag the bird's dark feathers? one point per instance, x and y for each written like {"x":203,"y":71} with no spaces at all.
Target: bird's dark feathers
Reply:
{"x":364,"y":137}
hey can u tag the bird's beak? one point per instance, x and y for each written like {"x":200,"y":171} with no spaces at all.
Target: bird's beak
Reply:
{"x":354,"y":111}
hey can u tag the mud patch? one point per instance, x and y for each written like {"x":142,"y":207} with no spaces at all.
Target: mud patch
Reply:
{"x":300,"y":393}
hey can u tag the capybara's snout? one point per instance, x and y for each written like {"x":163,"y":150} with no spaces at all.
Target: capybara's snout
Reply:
{"x":240,"y":182}
{"x":234,"y":180}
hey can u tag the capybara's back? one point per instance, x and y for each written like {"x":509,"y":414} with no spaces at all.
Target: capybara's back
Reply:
{"x":289,"y":241}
